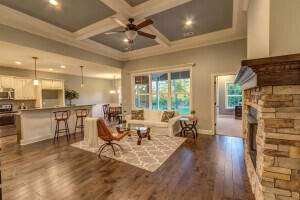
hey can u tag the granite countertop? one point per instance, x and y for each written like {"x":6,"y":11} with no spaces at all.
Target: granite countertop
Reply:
{"x":56,"y":107}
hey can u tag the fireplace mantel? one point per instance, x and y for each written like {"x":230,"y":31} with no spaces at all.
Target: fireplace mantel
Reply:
{"x":271,"y":71}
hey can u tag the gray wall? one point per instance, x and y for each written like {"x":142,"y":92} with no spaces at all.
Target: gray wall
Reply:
{"x":221,"y":85}
{"x":219,"y":58}
{"x":95,"y":91}
{"x":26,"y":39}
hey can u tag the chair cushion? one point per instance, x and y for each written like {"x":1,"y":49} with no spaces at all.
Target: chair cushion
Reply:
{"x":137,"y":114}
{"x":167,"y":115}
{"x":155,"y":115}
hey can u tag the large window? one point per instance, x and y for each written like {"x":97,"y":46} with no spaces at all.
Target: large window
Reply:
{"x":163,"y":91}
{"x":180,"y":91}
{"x":141,"y":91}
{"x":160,"y":91}
{"x":233,"y":95}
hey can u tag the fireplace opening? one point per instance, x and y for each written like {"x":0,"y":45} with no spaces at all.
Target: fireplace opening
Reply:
{"x":252,"y":127}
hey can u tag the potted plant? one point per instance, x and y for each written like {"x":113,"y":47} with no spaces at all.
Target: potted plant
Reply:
{"x":193,"y":112}
{"x":71,"y":94}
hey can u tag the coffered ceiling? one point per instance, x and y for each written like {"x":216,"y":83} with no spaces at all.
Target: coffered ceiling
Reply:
{"x":83,"y":23}
{"x":116,"y":41}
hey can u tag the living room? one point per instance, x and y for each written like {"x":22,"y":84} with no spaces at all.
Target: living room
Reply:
{"x":125,"y":99}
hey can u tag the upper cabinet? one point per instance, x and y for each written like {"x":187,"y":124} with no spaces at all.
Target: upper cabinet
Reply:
{"x":6,"y":82}
{"x":52,"y":84}
{"x":24,"y":89}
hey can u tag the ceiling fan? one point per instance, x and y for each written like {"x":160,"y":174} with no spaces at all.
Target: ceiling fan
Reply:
{"x":131,"y":30}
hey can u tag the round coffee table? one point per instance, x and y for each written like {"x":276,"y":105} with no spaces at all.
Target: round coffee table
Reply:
{"x":143,"y":132}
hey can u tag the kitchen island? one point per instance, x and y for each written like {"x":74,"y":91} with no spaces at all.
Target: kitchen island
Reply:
{"x":37,"y":124}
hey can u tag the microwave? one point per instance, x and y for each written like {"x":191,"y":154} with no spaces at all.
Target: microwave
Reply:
{"x":7,"y":93}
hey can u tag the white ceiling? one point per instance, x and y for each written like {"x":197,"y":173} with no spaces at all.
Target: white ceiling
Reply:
{"x":10,"y":53}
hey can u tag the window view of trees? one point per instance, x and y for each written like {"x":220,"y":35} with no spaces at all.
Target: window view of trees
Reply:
{"x":234,"y":95}
{"x":180,"y":89}
{"x":160,"y":91}
{"x":178,"y":93}
{"x":141,"y":91}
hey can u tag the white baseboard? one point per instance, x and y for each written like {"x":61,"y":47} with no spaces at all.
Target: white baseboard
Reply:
{"x":36,"y":139}
{"x":205,"y":132}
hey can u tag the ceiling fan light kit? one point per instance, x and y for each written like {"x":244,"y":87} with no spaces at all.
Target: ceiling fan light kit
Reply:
{"x":131,"y":35}
{"x":131,"y":30}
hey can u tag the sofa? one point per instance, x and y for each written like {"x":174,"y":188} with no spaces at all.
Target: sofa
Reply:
{"x":152,"y":118}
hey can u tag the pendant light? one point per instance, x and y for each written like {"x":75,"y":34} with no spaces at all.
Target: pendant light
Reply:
{"x":36,"y":81}
{"x":81,"y":85}
{"x":113,"y":91}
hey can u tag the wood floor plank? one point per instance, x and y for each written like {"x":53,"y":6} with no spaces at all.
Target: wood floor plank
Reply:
{"x":210,"y":168}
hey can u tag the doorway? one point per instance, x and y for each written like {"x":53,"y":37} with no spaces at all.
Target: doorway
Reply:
{"x":227,"y":106}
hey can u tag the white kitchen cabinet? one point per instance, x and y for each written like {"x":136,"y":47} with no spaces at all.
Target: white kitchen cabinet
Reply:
{"x":52,"y":84}
{"x":57,"y":84}
{"x":18,"y":86}
{"x":7,"y":82}
{"x":24,"y":89}
{"x":46,"y":84}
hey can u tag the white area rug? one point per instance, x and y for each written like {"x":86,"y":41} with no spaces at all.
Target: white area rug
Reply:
{"x":150,"y":155}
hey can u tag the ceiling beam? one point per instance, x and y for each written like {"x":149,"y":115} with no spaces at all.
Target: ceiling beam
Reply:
{"x":95,"y":29}
{"x":121,"y":7}
{"x":152,"y":7}
{"x":160,"y":38}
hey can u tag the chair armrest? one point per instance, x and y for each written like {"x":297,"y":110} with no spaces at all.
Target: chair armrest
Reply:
{"x":174,"y":120}
{"x":121,"y":135}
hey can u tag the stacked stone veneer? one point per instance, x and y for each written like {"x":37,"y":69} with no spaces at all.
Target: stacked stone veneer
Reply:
{"x":277,"y":175}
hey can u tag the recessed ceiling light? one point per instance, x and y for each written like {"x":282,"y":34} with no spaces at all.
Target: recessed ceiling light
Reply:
{"x":53,"y":2}
{"x":188,"y":34}
{"x":18,"y":63}
{"x":62,"y":66}
{"x":188,"y":22}
{"x":50,"y":69}
{"x":126,"y":40}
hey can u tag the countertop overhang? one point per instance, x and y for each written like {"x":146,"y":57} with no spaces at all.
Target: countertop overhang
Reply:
{"x":56,"y":107}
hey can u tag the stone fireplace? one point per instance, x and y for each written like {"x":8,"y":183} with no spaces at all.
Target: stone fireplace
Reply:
{"x":271,"y":126}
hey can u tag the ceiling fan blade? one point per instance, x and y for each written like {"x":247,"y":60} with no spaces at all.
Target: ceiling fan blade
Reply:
{"x":113,"y":32}
{"x":119,"y":22}
{"x":148,"y":35}
{"x":144,"y":24}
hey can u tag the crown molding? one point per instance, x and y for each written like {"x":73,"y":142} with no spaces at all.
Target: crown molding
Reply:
{"x":223,"y":36}
{"x":79,"y":39}
{"x":24,"y":22}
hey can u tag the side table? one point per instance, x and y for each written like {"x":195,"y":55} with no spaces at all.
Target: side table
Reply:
{"x":188,"y":125}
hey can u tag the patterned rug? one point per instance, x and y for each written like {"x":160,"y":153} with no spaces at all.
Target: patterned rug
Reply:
{"x":150,"y":155}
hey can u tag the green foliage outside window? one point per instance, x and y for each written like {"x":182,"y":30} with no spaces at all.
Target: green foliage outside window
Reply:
{"x":234,"y":95}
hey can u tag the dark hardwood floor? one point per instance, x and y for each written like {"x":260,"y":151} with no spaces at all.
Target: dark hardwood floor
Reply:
{"x":212,"y":168}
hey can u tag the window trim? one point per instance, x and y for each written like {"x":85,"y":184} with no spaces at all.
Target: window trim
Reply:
{"x":226,"y":95}
{"x":169,"y":71}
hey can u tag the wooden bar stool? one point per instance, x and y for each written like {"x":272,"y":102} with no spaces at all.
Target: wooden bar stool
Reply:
{"x":62,"y":116}
{"x":80,"y":115}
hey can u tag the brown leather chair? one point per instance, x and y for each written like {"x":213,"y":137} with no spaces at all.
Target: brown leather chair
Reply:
{"x":107,"y":135}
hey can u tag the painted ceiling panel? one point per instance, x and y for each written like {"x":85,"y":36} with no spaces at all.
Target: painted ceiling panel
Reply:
{"x":69,"y":14}
{"x":135,"y":2}
{"x":115,"y":41}
{"x":207,"y":16}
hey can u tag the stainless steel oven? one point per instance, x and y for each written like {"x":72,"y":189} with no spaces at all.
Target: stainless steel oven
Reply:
{"x":7,"y":93}
{"x":7,"y":120}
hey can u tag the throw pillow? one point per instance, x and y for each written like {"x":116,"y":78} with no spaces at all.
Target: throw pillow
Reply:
{"x":167,"y":115}
{"x":137,"y":114}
